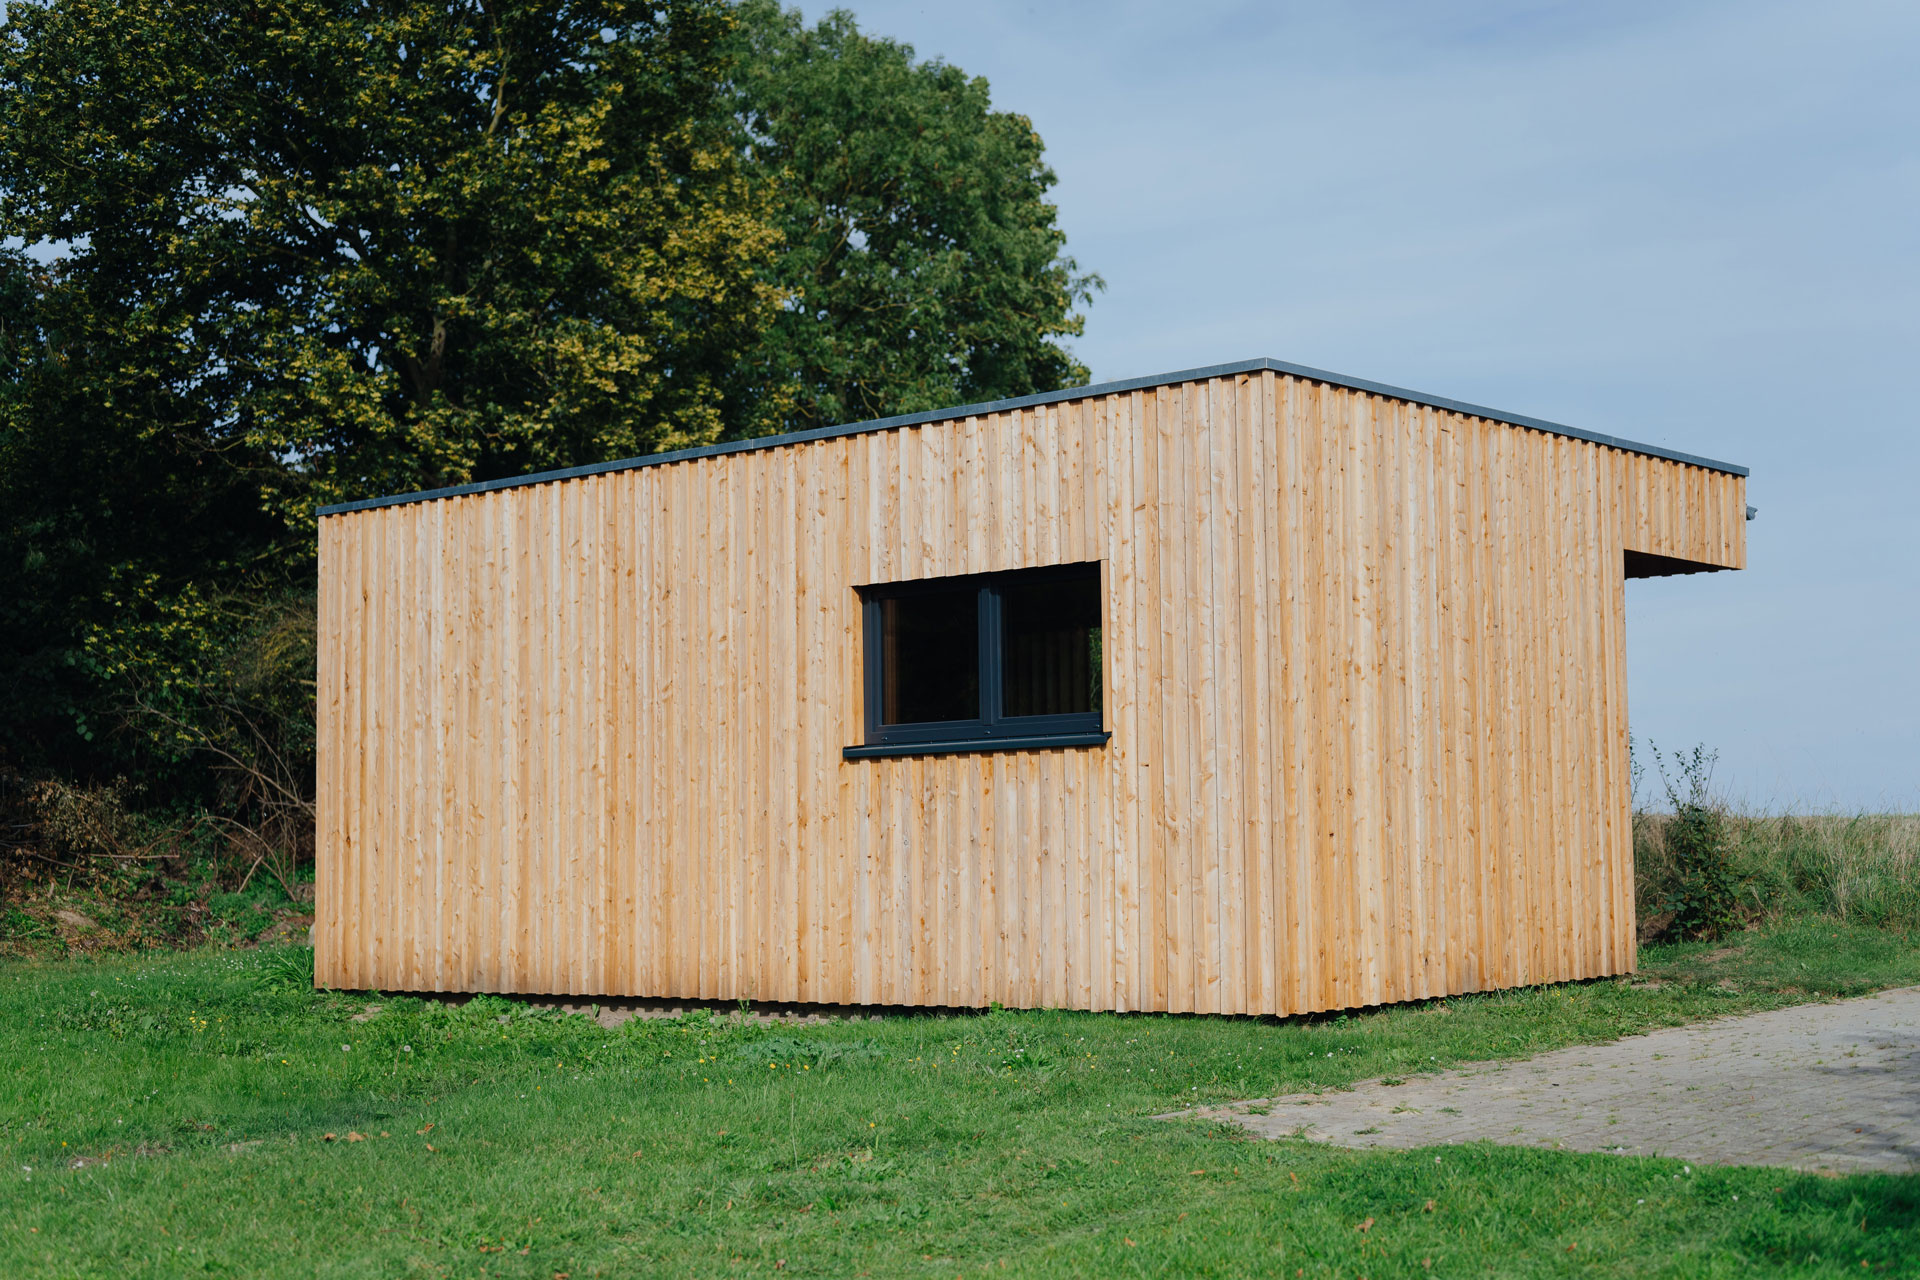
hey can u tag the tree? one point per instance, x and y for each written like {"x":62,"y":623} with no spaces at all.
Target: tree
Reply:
{"x":98,"y":495}
{"x":361,"y":247}
{"x":295,"y":251}
{"x":289,"y":252}
{"x":923,"y":265}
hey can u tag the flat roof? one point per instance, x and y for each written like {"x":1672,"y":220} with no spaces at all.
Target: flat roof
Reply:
{"x":1045,"y":397}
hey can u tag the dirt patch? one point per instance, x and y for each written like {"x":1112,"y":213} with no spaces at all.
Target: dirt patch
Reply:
{"x":1654,"y":927}
{"x":38,"y":918}
{"x":289,"y":928}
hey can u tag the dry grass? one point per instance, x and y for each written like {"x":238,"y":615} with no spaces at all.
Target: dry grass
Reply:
{"x":1863,"y":869}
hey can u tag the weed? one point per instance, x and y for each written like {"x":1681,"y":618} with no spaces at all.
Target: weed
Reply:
{"x":808,"y":1053}
{"x":285,"y":969}
{"x":1703,"y":895}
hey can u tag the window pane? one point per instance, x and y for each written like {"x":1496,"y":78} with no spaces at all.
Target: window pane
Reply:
{"x":1052,"y":645}
{"x":930,"y":657}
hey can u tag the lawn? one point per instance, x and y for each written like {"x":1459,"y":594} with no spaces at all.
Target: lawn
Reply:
{"x":224,"y":1123}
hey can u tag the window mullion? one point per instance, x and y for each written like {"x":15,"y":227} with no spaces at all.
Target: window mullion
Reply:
{"x":989,"y":612}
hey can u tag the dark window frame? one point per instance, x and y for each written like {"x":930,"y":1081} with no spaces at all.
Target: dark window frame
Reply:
{"x":992,"y":731}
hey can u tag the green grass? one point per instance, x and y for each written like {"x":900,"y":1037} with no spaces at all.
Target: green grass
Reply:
{"x":505,"y":1141}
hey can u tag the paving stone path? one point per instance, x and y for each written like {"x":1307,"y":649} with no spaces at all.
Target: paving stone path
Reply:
{"x":1824,"y":1087}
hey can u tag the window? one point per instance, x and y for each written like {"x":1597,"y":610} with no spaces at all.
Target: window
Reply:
{"x":994,"y":661}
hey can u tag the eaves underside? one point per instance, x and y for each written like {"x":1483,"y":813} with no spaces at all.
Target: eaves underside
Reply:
{"x":1044,"y":398}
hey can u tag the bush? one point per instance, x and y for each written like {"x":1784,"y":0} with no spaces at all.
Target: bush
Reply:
{"x":225,"y":684}
{"x":92,"y":834}
{"x":1697,"y":888}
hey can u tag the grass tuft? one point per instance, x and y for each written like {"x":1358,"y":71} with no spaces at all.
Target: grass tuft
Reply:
{"x":285,"y":969}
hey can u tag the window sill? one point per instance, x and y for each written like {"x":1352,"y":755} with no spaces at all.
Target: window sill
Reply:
{"x":964,"y":746}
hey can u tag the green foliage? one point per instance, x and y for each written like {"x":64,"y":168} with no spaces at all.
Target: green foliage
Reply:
{"x":410,"y":1139}
{"x":394,"y":247}
{"x":1702,"y":890}
{"x":79,"y":825}
{"x":319,"y":251}
{"x":228,"y":680}
{"x":212,"y":709}
{"x":99,"y":484}
{"x":195,"y":666}
{"x":923,"y":264}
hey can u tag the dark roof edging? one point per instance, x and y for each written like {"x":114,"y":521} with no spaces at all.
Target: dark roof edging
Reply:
{"x":1024,"y":402}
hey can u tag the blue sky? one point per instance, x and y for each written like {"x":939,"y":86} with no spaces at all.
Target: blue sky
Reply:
{"x":1696,"y":225}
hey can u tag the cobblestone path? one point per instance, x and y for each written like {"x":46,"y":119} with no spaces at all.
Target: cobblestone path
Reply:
{"x":1828,"y":1087}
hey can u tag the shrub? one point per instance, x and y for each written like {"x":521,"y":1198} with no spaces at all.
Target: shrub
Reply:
{"x":91,"y":833}
{"x":1702,"y":894}
{"x":227,"y":681}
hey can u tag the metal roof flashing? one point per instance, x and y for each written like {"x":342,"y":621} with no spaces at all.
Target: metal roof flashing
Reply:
{"x":1025,"y":402}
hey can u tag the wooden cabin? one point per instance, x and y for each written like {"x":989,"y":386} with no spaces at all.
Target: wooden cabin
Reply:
{"x":1252,"y":689}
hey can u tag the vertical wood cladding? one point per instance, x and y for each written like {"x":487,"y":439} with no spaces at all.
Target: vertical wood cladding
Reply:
{"x":1365,"y":676}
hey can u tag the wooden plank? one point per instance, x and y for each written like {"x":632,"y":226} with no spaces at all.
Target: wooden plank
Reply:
{"x":1319,"y":664}
{"x":1173,"y":894}
{"x":357,"y":854}
{"x":381,"y":949}
{"x":1200,"y":431}
{"x":1562,"y":815}
{"x":1372,"y":889}
{"x":1458,"y":731}
{"x":1253,"y":687}
{"x":1292,"y":723}
{"x":331,"y":793}
{"x":1123,"y":645}
{"x":439,"y":772}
